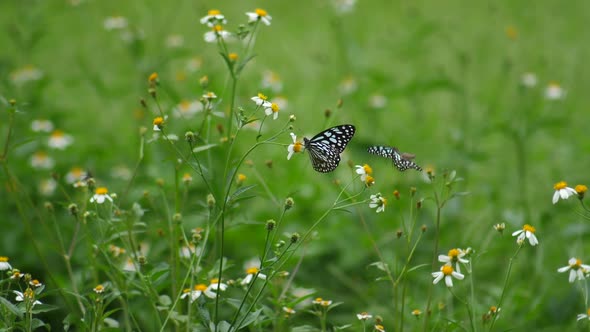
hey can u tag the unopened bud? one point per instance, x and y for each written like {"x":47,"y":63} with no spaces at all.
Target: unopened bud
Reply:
{"x":210,"y":201}
{"x":294,"y":238}
{"x":423,"y":228}
{"x":73,"y":208}
{"x":270,"y":225}
{"x":289,"y":203}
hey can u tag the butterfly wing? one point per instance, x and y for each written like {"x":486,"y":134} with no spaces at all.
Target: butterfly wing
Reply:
{"x":336,"y":137}
{"x":401,"y":161}
{"x":324,"y":148}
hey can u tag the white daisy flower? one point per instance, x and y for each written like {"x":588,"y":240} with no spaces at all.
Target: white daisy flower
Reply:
{"x":272,"y":109}
{"x":100,"y":195}
{"x":553,"y":91}
{"x":446,"y":272}
{"x":213,"y":18}
{"x":59,"y":140}
{"x":455,"y":256}
{"x":562,"y":191}
{"x":377,"y":201}
{"x":259,"y":15}
{"x":528,"y":80}
{"x":114,"y":23}
{"x":528,"y":232}
{"x":295,"y":147}
{"x":576,"y":268}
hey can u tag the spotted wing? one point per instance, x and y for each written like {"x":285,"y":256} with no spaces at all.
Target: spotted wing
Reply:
{"x":324,"y":148}
{"x":401,"y":161}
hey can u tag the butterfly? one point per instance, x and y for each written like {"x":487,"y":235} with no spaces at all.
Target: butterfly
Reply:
{"x":325,"y":148}
{"x":402,"y":161}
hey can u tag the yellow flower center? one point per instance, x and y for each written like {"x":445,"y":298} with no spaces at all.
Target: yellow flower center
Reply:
{"x":3,"y":259}
{"x":153,"y":77}
{"x":261,"y":96}
{"x":215,"y":281}
{"x":493,"y":309}
{"x":261,"y":12}
{"x":511,"y":32}
{"x":252,"y":270}
{"x":577,"y":264}
{"x":581,"y":189}
{"x":186,"y":290}
{"x":233,"y":56}
{"x":325,"y":303}
{"x":588,"y":312}
{"x":274,"y":107}
{"x":528,"y":228}
{"x":379,"y":327}
{"x":29,"y":293}
{"x":57,"y":134}
{"x":218,"y":28}
{"x":297,"y":146}
{"x":383,"y":201}
{"x":453,"y":253}
{"x":429,"y":170}
{"x":187,"y":177}
{"x":101,"y":191}
{"x":213,"y":12}
{"x":41,"y":155}
{"x":99,"y":288}
{"x":416,"y":312}
{"x":368,"y":169}
{"x":158,"y":121}
{"x":318,"y":300}
{"x":241,"y":177}
{"x":369,"y":181}
{"x":35,"y":282}
{"x":201,"y":287}
{"x":560,"y":185}
{"x":447,"y":270}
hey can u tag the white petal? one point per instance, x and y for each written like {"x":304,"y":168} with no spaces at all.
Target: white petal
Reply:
{"x":449,"y":281}
{"x":563,"y":269}
{"x":533,"y":239}
{"x":517,"y":232}
{"x":556,"y":196}
{"x":572,"y":276}
{"x":458,"y":275}
{"x":444,"y":258}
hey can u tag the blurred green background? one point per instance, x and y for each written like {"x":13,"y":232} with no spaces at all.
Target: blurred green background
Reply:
{"x":450,"y":74}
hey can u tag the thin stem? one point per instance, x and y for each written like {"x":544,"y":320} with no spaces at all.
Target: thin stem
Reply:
{"x":510,"y":262}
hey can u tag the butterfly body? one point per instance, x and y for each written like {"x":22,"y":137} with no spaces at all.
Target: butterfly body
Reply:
{"x":325,"y":148}
{"x":402,"y":161}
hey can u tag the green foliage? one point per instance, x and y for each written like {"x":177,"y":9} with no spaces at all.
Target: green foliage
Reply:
{"x":490,"y":97}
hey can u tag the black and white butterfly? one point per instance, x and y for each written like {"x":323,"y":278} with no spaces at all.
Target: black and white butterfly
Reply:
{"x":402,"y":161}
{"x":325,"y":148}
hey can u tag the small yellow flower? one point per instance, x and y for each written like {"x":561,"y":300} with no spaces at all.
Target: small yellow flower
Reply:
{"x":581,"y":190}
{"x":416,"y":313}
{"x":4,"y":265}
{"x":35,"y":283}
{"x":158,"y":123}
{"x":511,"y":32}
{"x":187,"y":178}
{"x":98,"y":289}
{"x":233,"y":56}
{"x":241,"y":178}
{"x":153,"y":77}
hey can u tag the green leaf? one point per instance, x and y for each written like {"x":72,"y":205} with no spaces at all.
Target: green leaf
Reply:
{"x":12,"y":308}
{"x":250,"y":318}
{"x":381,"y":266}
